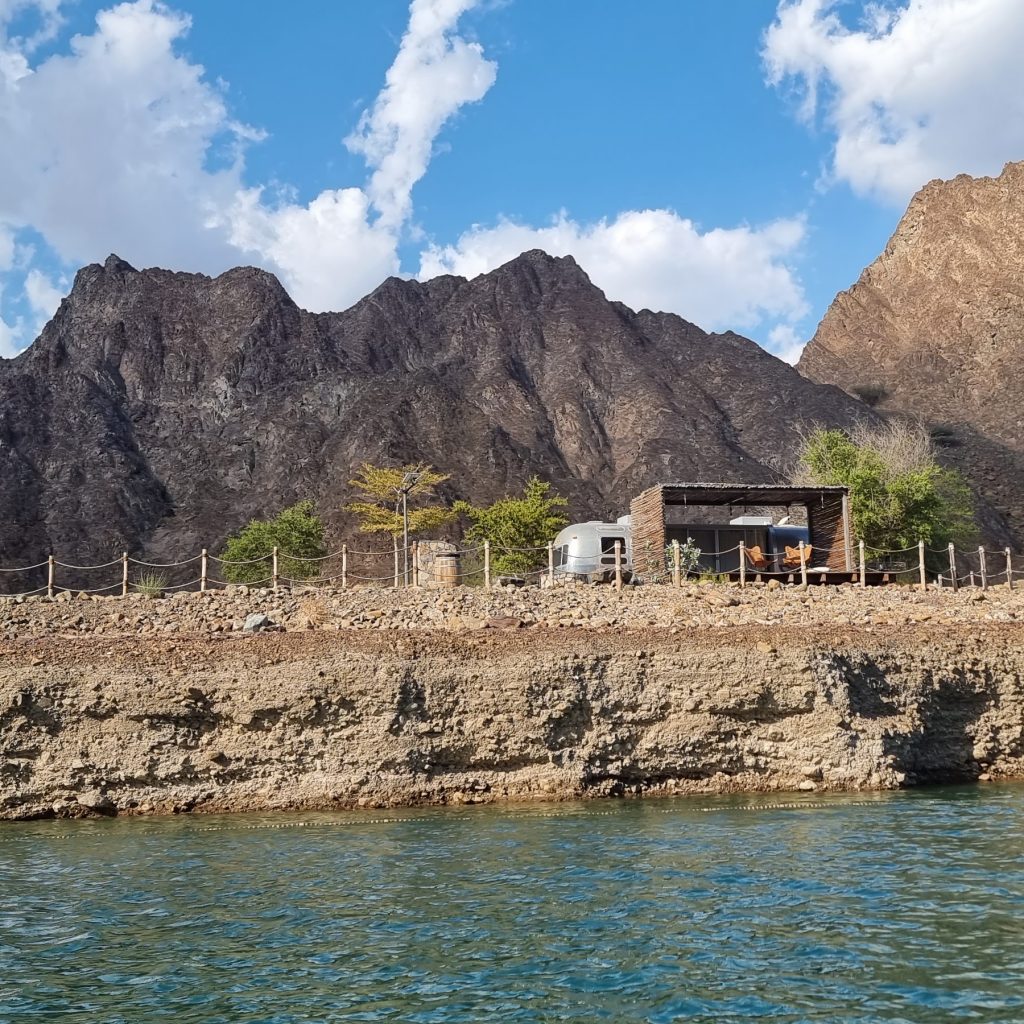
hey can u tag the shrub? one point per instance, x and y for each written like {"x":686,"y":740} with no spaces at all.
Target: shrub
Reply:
{"x":296,"y":532}
{"x":899,"y":494}
{"x":527,"y":522}
{"x":151,"y":584}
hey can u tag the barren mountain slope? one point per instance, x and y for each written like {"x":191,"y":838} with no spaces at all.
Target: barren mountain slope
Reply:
{"x":935,"y":328}
{"x":159,"y":411}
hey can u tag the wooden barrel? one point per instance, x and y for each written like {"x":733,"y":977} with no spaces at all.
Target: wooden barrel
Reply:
{"x":446,"y":570}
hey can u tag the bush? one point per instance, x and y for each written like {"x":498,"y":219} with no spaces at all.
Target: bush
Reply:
{"x":151,"y":584}
{"x":527,"y":522}
{"x":297,"y":533}
{"x":899,"y":494}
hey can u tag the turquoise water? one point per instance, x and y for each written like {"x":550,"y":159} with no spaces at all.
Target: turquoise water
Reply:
{"x":901,"y":907}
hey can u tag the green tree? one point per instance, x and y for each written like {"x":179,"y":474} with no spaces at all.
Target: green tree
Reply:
{"x":380,"y":488}
{"x":899,"y":494}
{"x":527,"y":522}
{"x":295,"y":532}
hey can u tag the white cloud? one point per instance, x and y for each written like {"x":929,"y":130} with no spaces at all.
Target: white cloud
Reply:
{"x":921,"y":89}
{"x":721,"y":278}
{"x":432,"y":76}
{"x":43,"y":294}
{"x":786,"y":342}
{"x":122,"y":144}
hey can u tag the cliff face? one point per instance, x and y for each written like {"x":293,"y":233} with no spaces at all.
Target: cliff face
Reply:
{"x":160,"y":411}
{"x":935,"y":328}
{"x":314,"y":721}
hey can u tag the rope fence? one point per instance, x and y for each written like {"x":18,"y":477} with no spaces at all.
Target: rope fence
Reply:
{"x":919,"y":565}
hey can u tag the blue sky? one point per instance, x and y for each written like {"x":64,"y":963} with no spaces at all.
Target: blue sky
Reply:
{"x":737,"y":162}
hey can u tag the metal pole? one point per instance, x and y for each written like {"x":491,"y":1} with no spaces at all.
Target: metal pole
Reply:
{"x":405,"y":534}
{"x":863,"y":574}
{"x":487,"y":565}
{"x":952,"y":568}
{"x":202,"y":571}
{"x":803,"y":564}
{"x":124,"y":573}
{"x":50,"y":573}
{"x":743,"y":564}
{"x":920,"y":564}
{"x":344,"y":566}
{"x":1009,"y":570}
{"x":982,"y":568}
{"x":618,"y":565}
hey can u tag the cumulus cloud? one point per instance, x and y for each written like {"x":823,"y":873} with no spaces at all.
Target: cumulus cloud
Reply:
{"x":122,"y":144}
{"x":720,"y":278}
{"x":432,"y":76}
{"x":917,"y":90}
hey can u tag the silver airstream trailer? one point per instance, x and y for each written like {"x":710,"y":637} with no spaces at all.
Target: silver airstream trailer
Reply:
{"x":587,"y":550}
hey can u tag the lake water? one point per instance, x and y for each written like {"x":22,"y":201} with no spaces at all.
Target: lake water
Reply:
{"x":896,"y":907}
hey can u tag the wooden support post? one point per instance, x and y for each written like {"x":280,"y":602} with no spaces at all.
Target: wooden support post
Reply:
{"x":551,"y":562}
{"x":415,"y":563}
{"x":803,"y":565}
{"x":487,"y":565}
{"x":952,"y":568}
{"x":344,"y":566}
{"x":618,"y":565}
{"x":50,"y":573}
{"x":982,"y":569}
{"x":203,"y":574}
{"x":677,"y":565}
{"x":920,"y":565}
{"x":395,"y":539}
{"x":863,"y":572}
{"x":743,"y":564}
{"x":1009,"y":570}
{"x":273,"y":569}
{"x":847,"y":536}
{"x":124,"y":573}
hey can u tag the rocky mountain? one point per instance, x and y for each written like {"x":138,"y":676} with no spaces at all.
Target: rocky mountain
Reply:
{"x":934,"y":328}
{"x":159,"y":411}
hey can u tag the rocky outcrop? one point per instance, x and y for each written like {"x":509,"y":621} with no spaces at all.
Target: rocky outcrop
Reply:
{"x":776,"y":690}
{"x":159,"y":411}
{"x":935,"y":328}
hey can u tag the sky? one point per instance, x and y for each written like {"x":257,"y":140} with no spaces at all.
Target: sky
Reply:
{"x":737,"y":162}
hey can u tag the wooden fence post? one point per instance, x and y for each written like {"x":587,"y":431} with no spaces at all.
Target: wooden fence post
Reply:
{"x":803,"y":565}
{"x":50,"y":573}
{"x":415,"y":563}
{"x":863,"y":573}
{"x":920,"y":565}
{"x":487,"y":565}
{"x":982,"y":569}
{"x":203,"y":571}
{"x":677,"y":565}
{"x":395,"y":539}
{"x":124,"y":573}
{"x":273,"y":569}
{"x":1009,"y":570}
{"x":618,"y":565}
{"x":344,"y":566}
{"x":952,"y":568}
{"x":551,"y":562}
{"x":743,"y":564}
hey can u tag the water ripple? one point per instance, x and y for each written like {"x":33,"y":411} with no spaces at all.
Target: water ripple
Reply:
{"x":897,"y":908}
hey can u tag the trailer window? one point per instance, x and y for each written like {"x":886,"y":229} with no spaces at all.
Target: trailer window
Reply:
{"x":608,"y":550}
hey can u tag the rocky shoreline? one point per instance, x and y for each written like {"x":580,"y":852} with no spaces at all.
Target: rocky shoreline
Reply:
{"x":381,"y":698}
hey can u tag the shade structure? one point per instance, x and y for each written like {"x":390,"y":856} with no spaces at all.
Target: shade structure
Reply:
{"x":828,"y":517}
